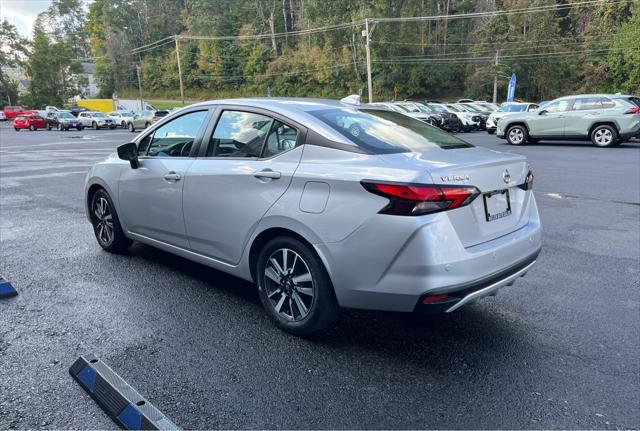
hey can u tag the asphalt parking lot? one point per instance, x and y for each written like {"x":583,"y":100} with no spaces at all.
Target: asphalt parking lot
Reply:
{"x":559,"y":349}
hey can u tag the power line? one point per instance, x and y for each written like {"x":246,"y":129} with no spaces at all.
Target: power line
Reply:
{"x":361,"y":22}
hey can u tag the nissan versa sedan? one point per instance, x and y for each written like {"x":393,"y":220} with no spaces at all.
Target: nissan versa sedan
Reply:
{"x":400,"y":216}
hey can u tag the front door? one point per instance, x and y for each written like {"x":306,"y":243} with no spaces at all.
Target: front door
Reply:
{"x":551,"y":119}
{"x":151,"y":196}
{"x":249,"y":163}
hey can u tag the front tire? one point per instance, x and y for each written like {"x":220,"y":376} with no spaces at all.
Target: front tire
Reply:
{"x":604,"y":136}
{"x":32,"y":128}
{"x":106,"y":224}
{"x":95,"y":125}
{"x":49,"y":127}
{"x":131,"y":128}
{"x":294,"y":287}
{"x":517,"y":135}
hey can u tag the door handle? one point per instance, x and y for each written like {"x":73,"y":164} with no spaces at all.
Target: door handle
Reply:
{"x":172,"y":177}
{"x":267,"y":173}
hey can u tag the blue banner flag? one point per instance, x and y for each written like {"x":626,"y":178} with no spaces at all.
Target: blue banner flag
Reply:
{"x":512,"y":88}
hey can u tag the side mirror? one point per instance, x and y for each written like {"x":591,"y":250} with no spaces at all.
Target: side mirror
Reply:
{"x":542,"y":112}
{"x":129,"y":152}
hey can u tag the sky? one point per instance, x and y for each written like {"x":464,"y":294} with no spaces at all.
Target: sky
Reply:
{"x":22,"y":13}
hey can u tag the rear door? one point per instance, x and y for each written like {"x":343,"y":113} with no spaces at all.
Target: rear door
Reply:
{"x":150,"y":197}
{"x":584,"y":112}
{"x":247,"y":164}
{"x":550,"y":120}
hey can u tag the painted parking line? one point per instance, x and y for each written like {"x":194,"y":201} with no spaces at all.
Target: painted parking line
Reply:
{"x":124,"y":405}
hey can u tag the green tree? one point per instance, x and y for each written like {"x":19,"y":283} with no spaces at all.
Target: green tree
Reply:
{"x":624,"y":60}
{"x":13,"y":52}
{"x":52,"y":70}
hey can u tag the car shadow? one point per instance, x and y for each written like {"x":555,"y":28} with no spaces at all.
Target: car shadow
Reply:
{"x":427,"y":340}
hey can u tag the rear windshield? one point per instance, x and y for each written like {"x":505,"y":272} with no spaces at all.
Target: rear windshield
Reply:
{"x":633,"y":100}
{"x":65,"y":115}
{"x":383,"y":132}
{"x":512,"y":108}
{"x":20,"y":118}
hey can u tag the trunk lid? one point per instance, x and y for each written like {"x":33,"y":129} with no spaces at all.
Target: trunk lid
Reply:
{"x":485,"y":169}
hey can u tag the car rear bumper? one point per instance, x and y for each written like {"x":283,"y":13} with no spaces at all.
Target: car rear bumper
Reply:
{"x":382,"y":266}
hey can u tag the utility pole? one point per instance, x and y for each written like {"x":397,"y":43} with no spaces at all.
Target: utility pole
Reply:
{"x":495,"y":78}
{"x":368,"y":51}
{"x":140,"y":87}
{"x":179,"y":69}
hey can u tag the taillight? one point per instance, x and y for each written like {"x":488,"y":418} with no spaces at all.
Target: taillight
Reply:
{"x":634,"y":110}
{"x":418,"y":199}
{"x":528,"y":184}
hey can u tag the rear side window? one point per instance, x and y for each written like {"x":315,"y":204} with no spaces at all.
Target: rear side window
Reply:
{"x":239,"y":134}
{"x":608,"y":103}
{"x":281,"y":138}
{"x":383,"y":132}
{"x":176,"y":138}
{"x":586,"y":103}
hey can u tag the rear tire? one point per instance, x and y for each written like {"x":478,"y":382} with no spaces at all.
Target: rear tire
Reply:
{"x":604,"y":136}
{"x":517,"y":135}
{"x":146,"y":125}
{"x":80,"y":128}
{"x":491,"y":131}
{"x":106,"y":224}
{"x":16,"y":129}
{"x":49,"y":127}
{"x":32,"y":128}
{"x":294,"y":287}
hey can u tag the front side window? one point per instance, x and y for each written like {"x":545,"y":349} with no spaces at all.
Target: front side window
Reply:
{"x":175,"y":138}
{"x":383,"y":132}
{"x":586,"y":103}
{"x":557,"y":106}
{"x":281,"y":138}
{"x":239,"y":134}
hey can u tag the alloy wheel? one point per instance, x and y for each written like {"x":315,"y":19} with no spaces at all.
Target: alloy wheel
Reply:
{"x":104,"y":220}
{"x":603,"y":137}
{"x":516,"y":135}
{"x":289,"y":285}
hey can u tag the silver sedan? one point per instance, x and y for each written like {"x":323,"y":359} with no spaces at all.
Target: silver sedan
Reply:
{"x":323,"y":204}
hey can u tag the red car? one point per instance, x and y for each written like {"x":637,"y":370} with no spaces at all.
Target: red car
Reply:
{"x":31,"y":122}
{"x":12,"y":111}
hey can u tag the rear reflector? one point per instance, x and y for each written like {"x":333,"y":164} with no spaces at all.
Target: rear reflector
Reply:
{"x":418,"y":199}
{"x":434,"y":298}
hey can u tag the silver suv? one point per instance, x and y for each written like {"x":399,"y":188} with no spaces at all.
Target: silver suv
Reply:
{"x":604,"y":119}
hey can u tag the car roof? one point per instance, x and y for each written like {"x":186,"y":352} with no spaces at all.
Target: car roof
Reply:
{"x":296,"y":108}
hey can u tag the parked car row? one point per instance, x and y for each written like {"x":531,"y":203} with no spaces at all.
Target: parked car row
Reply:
{"x":65,"y":119}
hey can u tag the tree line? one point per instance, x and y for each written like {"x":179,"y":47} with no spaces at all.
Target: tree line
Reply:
{"x":576,"y":48}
